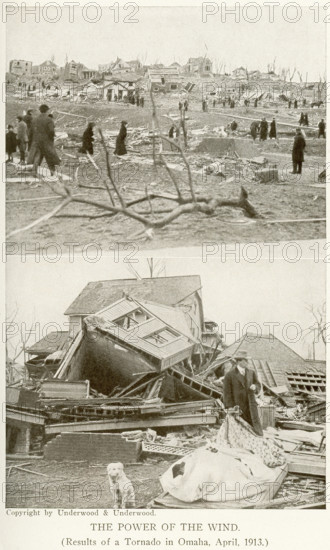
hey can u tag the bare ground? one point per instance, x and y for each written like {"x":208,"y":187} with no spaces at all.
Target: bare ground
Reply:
{"x":77,"y":484}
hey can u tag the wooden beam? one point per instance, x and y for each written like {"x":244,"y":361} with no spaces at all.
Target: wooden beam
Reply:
{"x":114,"y":425}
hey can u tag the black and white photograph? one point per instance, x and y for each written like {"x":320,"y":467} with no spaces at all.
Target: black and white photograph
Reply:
{"x":163,"y":130}
{"x":164,"y":253}
{"x":159,"y":371}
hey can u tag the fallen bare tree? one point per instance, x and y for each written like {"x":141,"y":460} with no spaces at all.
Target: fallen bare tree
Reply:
{"x":180,"y":201}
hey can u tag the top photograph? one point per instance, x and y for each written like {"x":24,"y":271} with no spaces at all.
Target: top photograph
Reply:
{"x":167,"y":127}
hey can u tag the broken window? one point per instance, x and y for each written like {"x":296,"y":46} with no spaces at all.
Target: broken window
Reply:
{"x":162,"y":337}
{"x":132,"y":319}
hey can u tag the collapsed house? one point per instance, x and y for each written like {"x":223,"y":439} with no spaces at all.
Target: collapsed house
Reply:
{"x":140,"y":364}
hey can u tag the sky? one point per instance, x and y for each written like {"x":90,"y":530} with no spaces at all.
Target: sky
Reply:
{"x":234,"y":293}
{"x":167,"y":34}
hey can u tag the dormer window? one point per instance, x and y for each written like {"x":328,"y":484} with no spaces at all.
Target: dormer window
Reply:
{"x":162,"y":337}
{"x":132,"y":319}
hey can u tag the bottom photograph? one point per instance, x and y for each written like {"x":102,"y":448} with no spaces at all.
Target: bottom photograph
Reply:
{"x":170,"y":383}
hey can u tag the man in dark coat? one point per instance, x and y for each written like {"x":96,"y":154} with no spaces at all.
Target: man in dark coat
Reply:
{"x":254,"y":128}
{"x":299,"y":145}
{"x":22,"y":138}
{"x":88,"y":139}
{"x":28,"y":121}
{"x":263,"y":129}
{"x":240,"y":386}
{"x":273,"y":130}
{"x":43,"y":133}
{"x":322,"y":128}
{"x":233,"y":126}
{"x":302,"y":119}
{"x":11,"y":143}
{"x":120,"y":140}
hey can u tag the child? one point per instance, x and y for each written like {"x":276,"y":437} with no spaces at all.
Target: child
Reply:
{"x":11,"y":143}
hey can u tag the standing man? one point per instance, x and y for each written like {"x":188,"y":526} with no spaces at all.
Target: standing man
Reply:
{"x":263,"y":129}
{"x":43,"y":134}
{"x":299,"y":145}
{"x":22,"y":138}
{"x":11,"y":143}
{"x":254,"y":128}
{"x":273,"y":130}
{"x":240,"y":387}
{"x":120,"y":140}
{"x":322,"y":128}
{"x":28,"y":121}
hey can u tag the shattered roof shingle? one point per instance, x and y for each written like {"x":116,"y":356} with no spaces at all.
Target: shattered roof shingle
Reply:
{"x":165,"y":290}
{"x":50,"y":343}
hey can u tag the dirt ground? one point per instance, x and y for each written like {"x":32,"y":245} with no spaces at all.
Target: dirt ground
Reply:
{"x":80,"y":485}
{"x":77,"y":484}
{"x":292,"y":198}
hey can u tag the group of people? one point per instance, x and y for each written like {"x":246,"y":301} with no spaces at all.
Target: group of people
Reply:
{"x":303,"y":121}
{"x":295,"y":103}
{"x":22,"y":139}
{"x":34,"y":140}
{"x":261,"y":128}
{"x":88,"y":140}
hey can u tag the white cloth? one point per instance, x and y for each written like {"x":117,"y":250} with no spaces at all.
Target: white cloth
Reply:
{"x":219,"y":475}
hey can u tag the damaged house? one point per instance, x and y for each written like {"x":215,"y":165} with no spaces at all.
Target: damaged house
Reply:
{"x":119,"y":86}
{"x":165,"y":79}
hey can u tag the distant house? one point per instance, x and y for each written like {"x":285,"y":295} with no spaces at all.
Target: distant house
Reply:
{"x":240,"y":72}
{"x":182,"y":293}
{"x":47,"y":69}
{"x":88,"y":73}
{"x":165,"y":79}
{"x":254,"y":75}
{"x":20,"y":67}
{"x":121,"y":66}
{"x":177,"y":65}
{"x":278,"y":366}
{"x":199,"y":66}
{"x":105,"y":68}
{"x":77,"y":71}
{"x":135,"y":65}
{"x":119,"y":85}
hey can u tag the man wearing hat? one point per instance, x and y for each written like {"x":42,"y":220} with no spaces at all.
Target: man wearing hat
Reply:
{"x":240,"y":387}
{"x":42,"y":146}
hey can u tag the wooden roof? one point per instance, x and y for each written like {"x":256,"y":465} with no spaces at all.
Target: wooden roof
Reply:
{"x":163,"y":290}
